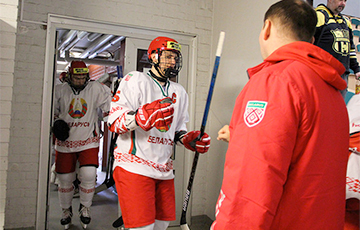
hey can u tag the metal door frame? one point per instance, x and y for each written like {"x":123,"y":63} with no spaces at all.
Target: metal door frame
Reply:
{"x":58,"y":21}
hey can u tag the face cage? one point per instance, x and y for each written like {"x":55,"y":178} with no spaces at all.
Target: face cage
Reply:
{"x":170,"y":72}
{"x":77,"y":87}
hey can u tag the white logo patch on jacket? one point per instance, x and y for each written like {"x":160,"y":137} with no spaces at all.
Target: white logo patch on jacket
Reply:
{"x":254,"y":112}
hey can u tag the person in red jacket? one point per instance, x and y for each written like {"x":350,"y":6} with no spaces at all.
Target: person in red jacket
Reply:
{"x":285,"y":166}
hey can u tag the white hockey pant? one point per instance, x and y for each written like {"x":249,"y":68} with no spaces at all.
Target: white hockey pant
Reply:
{"x":158,"y":225}
{"x":87,"y":177}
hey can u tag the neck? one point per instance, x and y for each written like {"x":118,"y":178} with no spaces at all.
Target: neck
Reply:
{"x":161,"y":80}
{"x":334,"y":13}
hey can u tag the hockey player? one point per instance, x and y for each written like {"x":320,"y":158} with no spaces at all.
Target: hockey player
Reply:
{"x":288,"y":135}
{"x":150,"y":113}
{"x":77,"y":103}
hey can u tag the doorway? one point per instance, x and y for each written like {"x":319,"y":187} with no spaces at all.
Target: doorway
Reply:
{"x":137,"y":39}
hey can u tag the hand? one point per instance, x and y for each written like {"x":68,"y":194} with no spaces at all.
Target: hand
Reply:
{"x":224,"y":134}
{"x":194,"y":142}
{"x":157,"y":114}
{"x":357,"y":76}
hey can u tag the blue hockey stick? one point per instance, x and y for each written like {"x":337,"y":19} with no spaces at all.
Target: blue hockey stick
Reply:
{"x":183,"y":222}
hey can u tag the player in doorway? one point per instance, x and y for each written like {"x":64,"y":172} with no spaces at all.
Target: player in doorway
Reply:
{"x":150,"y":113}
{"x":76,"y":106}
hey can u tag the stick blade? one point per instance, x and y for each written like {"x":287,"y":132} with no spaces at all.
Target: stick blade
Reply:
{"x":184,"y":227}
{"x":100,"y":188}
{"x":118,"y":222}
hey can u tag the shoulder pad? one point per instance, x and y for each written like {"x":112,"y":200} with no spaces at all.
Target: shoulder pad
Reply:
{"x":347,"y":20}
{"x":320,"y":18}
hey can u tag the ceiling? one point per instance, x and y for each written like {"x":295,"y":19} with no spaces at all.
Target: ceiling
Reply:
{"x":92,"y":48}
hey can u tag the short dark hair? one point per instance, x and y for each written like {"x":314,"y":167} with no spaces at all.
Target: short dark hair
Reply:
{"x":296,"y":17}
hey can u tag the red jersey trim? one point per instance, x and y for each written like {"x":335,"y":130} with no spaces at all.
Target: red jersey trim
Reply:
{"x":79,"y":143}
{"x":353,"y":183}
{"x":129,"y":158}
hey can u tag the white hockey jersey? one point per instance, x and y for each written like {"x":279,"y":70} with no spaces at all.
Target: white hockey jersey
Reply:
{"x":353,"y":107}
{"x":147,"y":153}
{"x":81,"y":112}
{"x":353,"y":167}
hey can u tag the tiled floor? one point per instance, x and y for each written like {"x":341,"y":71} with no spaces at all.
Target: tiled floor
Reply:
{"x":104,"y":212}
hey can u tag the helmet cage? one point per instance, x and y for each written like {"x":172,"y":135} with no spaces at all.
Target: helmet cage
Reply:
{"x":171,"y":71}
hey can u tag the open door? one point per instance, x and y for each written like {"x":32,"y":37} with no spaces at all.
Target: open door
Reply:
{"x":137,"y":38}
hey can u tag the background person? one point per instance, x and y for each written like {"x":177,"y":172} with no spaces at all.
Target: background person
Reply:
{"x":286,"y":161}
{"x":334,"y":34}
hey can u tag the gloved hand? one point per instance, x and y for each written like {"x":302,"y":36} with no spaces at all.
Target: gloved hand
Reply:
{"x":61,"y":129}
{"x":157,"y":114}
{"x":192,"y":141}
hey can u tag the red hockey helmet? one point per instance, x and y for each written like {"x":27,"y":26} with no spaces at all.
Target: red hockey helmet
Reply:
{"x":160,"y":44}
{"x":78,"y":67}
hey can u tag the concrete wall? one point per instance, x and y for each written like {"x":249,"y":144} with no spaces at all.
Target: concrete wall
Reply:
{"x":242,"y":22}
{"x":8,"y":25}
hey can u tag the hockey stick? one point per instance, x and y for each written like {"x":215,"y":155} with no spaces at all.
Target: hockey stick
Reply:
{"x":183,"y":222}
{"x":109,"y":180}
{"x":119,"y":221}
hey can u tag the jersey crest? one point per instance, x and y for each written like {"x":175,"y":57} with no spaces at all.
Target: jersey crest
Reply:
{"x":77,"y":108}
{"x":254,"y":112}
{"x":128,"y":76}
{"x":341,"y":43}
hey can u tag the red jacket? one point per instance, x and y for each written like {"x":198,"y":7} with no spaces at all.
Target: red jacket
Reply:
{"x":285,"y":166}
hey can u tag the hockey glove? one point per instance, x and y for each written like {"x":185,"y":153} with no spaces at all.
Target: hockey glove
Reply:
{"x":125,"y":123}
{"x":61,"y":130}
{"x":157,"y":114}
{"x":194,"y":142}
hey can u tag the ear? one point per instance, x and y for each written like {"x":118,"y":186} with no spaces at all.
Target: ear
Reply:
{"x":154,"y":57}
{"x":267,"y":29}
{"x":312,"y":40}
